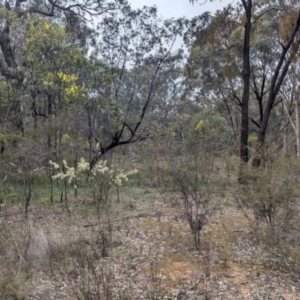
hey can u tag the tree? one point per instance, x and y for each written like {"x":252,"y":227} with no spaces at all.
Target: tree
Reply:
{"x":17,"y":14}
{"x":213,"y":68}
{"x":285,"y":20}
{"x":290,"y":101}
{"x":78,"y":90}
{"x":244,"y":129}
{"x":55,"y":76}
{"x":290,"y":44}
{"x":130,"y":44}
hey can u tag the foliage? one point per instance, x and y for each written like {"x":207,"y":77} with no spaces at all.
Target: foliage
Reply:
{"x":90,"y":89}
{"x":235,"y":58}
{"x":184,"y":173}
{"x":102,"y":178}
{"x":268,"y":199}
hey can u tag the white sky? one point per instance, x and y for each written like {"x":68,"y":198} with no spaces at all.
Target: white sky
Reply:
{"x":179,"y":8}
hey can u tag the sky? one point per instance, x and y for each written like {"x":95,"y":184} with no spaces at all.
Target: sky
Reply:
{"x":181,"y":8}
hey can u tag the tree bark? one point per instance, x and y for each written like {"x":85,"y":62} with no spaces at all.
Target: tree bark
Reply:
{"x":286,"y":58}
{"x":244,"y":152}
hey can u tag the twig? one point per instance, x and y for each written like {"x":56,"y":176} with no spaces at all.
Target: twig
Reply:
{"x":12,"y":214}
{"x":140,"y":215}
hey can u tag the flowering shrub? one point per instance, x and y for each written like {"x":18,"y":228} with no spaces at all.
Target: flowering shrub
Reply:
{"x":45,"y":40}
{"x":66,"y":81}
{"x":199,"y":126}
{"x":69,"y":172}
{"x":102,"y":176}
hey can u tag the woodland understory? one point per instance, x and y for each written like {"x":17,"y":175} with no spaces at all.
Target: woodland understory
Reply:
{"x":133,"y":170}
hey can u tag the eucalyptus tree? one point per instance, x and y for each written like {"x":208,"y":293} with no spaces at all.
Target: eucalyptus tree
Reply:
{"x":213,"y":67}
{"x":60,"y":66}
{"x":136,"y":47}
{"x":290,"y":102}
{"x":256,"y":22}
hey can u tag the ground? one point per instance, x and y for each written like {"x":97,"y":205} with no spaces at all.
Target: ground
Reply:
{"x":142,"y":249}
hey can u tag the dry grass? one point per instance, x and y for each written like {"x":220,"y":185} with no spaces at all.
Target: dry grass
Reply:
{"x":141,"y":253}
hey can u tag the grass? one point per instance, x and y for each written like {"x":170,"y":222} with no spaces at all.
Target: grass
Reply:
{"x":141,"y":249}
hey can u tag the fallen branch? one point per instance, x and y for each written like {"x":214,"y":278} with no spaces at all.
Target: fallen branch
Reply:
{"x":12,"y":214}
{"x":141,"y":215}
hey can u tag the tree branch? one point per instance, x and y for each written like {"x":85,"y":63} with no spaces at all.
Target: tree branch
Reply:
{"x":254,"y":122}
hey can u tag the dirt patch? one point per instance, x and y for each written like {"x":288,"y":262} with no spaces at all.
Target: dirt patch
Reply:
{"x":177,"y":265}
{"x":148,"y":254}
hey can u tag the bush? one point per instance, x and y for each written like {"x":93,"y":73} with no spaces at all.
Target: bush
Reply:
{"x":269,"y":195}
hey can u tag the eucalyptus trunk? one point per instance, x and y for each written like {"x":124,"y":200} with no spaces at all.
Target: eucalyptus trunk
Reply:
{"x":244,"y":151}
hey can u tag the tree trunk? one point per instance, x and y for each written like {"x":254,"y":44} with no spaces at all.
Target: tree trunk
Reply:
{"x":297,"y":128}
{"x":286,"y":58}
{"x":244,"y":151}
